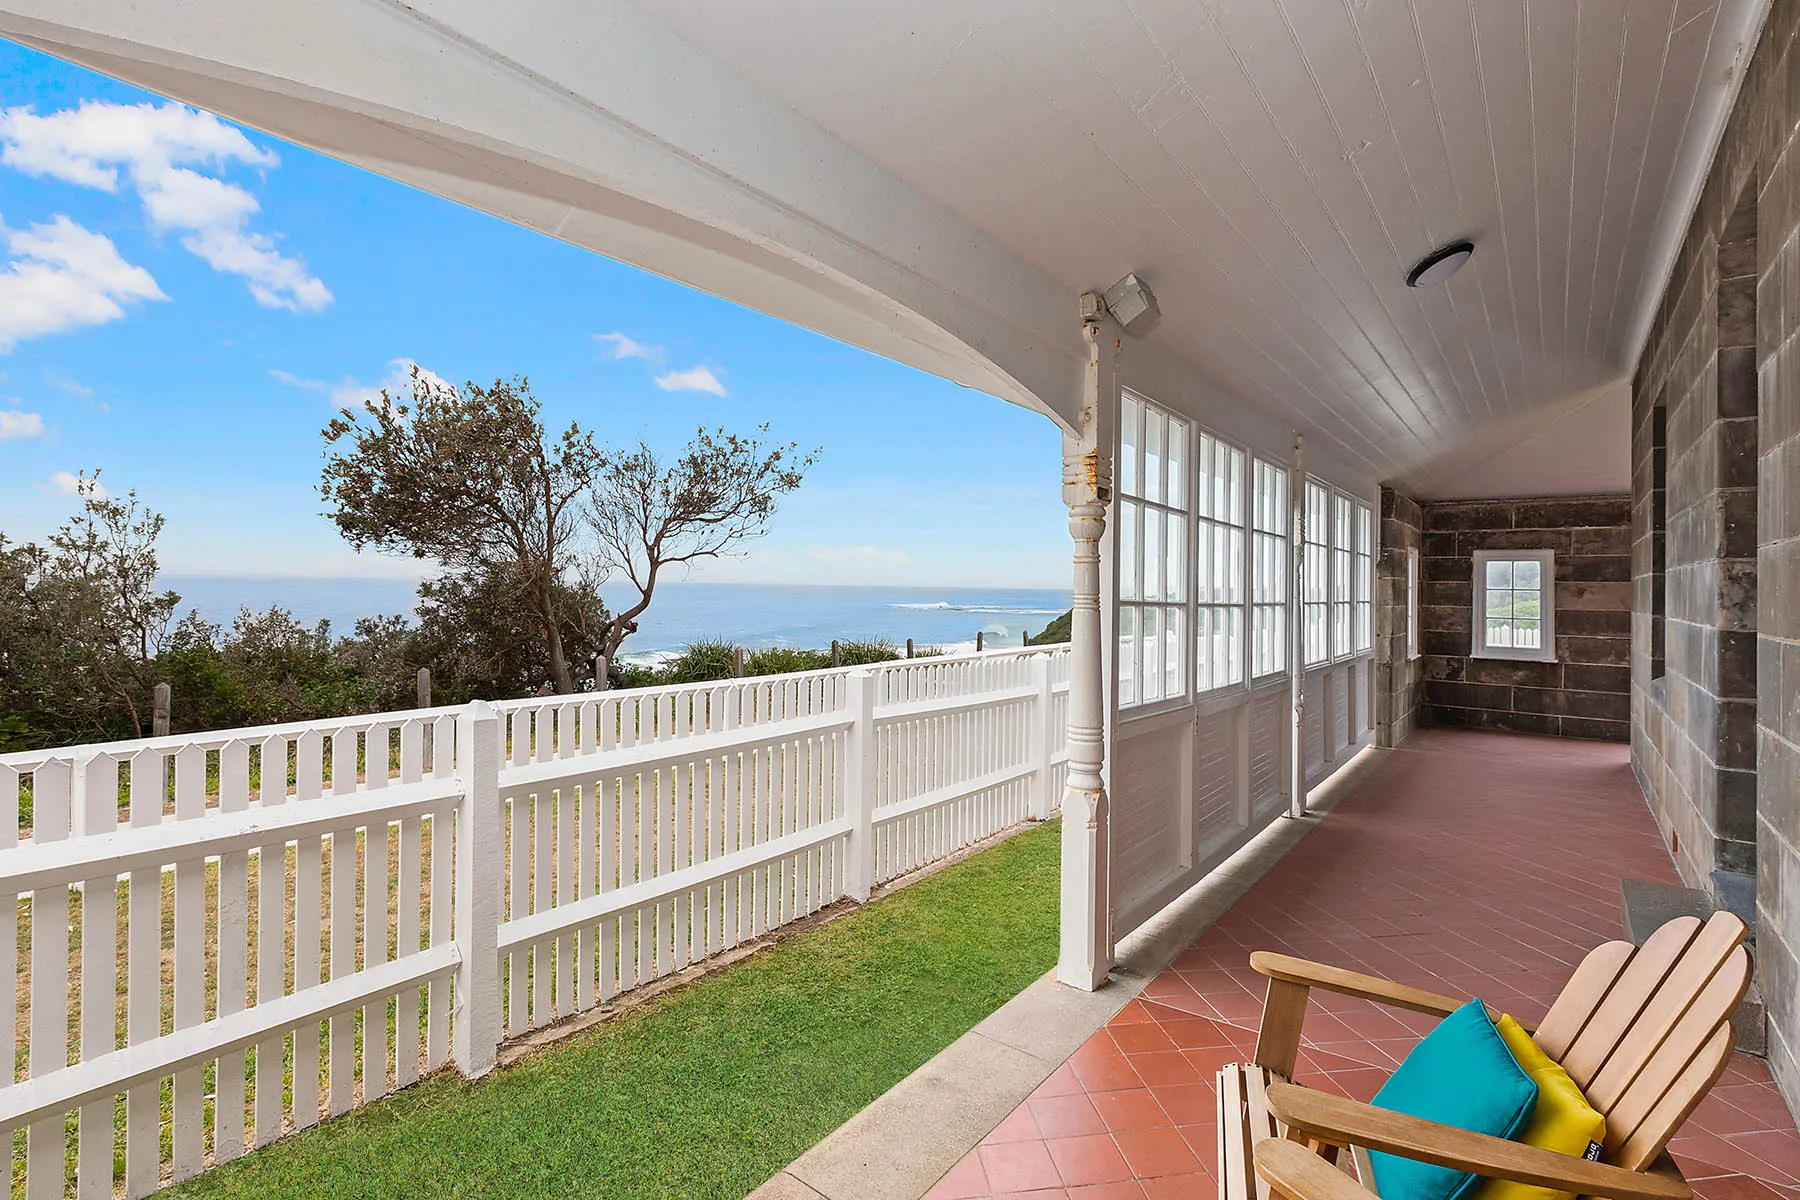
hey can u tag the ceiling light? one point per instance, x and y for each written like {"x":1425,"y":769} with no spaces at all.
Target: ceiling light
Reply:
{"x":1440,"y":264}
{"x":1130,"y":302}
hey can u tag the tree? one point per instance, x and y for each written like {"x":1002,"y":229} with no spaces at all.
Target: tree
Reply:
{"x":478,"y":641}
{"x":647,"y":517}
{"x":467,"y":477}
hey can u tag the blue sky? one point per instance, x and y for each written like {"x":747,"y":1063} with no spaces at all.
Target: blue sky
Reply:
{"x":184,"y":303}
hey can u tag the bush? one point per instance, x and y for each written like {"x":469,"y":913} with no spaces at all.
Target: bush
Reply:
{"x":782,"y":660}
{"x":872,"y":650}
{"x":700,"y":662}
{"x":1055,"y":632}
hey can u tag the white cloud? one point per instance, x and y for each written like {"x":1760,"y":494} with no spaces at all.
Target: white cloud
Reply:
{"x":298,"y":381}
{"x":17,"y":426}
{"x":155,"y":148}
{"x":624,"y":346}
{"x":63,"y":383}
{"x":66,"y":483}
{"x":694,"y":379}
{"x":63,"y":277}
{"x":353,"y":393}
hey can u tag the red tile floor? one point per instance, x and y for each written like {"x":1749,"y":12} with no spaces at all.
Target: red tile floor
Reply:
{"x":1477,"y":864}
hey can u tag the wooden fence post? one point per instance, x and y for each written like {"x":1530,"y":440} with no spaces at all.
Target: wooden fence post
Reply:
{"x":859,"y":787}
{"x":837,"y":657}
{"x":601,"y":667}
{"x":159,"y":715}
{"x":424,"y":687}
{"x":737,"y":662}
{"x":909,"y":647}
{"x":979,"y":640}
{"x":1043,"y":738}
{"x":480,"y":842}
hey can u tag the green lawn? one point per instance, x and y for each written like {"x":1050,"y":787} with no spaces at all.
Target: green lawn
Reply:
{"x":710,"y":1091}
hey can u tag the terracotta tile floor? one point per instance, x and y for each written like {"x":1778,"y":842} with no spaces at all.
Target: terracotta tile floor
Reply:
{"x":1470,"y":863}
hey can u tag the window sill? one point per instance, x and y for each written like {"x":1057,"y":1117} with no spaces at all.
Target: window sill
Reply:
{"x":1516,"y":656}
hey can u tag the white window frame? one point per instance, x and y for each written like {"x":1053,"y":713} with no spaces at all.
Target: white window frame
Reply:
{"x":1134,"y":499}
{"x":1213,"y":549}
{"x":1341,"y":632}
{"x":1546,"y":651}
{"x":1362,"y":587}
{"x":1271,"y":564}
{"x":1413,"y":586}
{"x":1315,"y":572}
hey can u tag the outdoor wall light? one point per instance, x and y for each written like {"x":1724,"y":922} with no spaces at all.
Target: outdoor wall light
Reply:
{"x":1130,"y":302}
{"x":1440,"y":264}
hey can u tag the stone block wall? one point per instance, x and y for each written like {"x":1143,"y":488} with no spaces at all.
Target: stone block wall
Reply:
{"x":1397,"y":672}
{"x":1586,"y":691}
{"x":1715,"y":661}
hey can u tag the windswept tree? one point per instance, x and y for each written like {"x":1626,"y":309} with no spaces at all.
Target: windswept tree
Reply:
{"x":468,"y":477}
{"x":649,"y":516}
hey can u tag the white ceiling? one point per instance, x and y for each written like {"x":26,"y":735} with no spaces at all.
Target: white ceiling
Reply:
{"x":1273,"y":167}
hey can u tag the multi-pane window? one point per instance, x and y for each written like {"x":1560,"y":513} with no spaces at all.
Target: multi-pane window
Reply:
{"x":1362,"y":622}
{"x":1152,"y":536}
{"x":1343,"y":545}
{"x":1514,"y":605}
{"x":1219,"y":565}
{"x":1315,"y":574}
{"x":1270,"y":513}
{"x":1412,"y":602}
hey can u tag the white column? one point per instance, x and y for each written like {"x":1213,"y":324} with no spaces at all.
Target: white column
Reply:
{"x":480,"y":845}
{"x":1087,"y":919}
{"x":1297,"y":633}
{"x":859,"y":786}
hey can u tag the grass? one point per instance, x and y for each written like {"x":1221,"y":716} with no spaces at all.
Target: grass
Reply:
{"x":709,"y":1091}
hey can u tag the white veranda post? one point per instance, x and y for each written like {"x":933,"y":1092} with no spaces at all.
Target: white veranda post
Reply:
{"x":1087,"y":935}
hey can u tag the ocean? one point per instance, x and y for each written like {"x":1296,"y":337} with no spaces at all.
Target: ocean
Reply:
{"x":754,"y":615}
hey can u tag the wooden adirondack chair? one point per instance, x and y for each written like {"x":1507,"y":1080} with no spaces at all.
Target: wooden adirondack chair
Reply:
{"x":1644,"y":1032}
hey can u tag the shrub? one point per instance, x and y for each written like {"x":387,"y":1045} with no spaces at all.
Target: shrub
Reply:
{"x":780,"y":660}
{"x":699,"y":662}
{"x":870,"y":650}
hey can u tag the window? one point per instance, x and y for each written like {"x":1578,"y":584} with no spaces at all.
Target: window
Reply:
{"x":1270,"y":515}
{"x":1152,"y":536}
{"x":1315,"y":573}
{"x":1514,"y":604}
{"x":1343,"y":545}
{"x":1362,"y":623}
{"x":1219,"y":565}
{"x":1412,"y":602}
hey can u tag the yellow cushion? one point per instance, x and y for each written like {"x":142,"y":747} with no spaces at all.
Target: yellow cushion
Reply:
{"x":1563,"y":1121}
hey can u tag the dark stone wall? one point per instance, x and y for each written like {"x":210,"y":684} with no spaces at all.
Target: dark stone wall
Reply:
{"x":1397,"y":676}
{"x":1715,"y":661}
{"x":1586,"y":691}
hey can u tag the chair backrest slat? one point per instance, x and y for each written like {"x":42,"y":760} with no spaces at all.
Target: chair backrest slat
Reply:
{"x":1710,"y":957}
{"x":1622,"y":1005}
{"x":1630,"y":1112}
{"x":1677,"y":1103}
{"x":1581,"y":996}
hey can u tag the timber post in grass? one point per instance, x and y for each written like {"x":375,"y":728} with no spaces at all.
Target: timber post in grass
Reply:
{"x":424,"y":687}
{"x":159,"y":711}
{"x":837,"y":656}
{"x":978,"y":642}
{"x":1085,"y":954}
{"x":475,"y":1024}
{"x":909,"y":651}
{"x":737,"y":662}
{"x":601,"y":667}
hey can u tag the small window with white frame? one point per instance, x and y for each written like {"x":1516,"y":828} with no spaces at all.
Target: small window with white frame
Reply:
{"x":1271,"y":512}
{"x":1315,"y":574}
{"x":1343,"y":552}
{"x":1219,"y":528}
{"x":1515,"y":604}
{"x":1412,"y":602}
{"x":1152,"y":539}
{"x":1363,"y":618}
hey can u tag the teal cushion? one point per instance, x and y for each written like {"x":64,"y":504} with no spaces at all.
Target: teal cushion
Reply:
{"x":1462,"y":1074}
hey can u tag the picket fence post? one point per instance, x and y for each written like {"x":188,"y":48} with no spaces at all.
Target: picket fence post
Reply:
{"x":1043,"y":737}
{"x":480,"y":866}
{"x":859,"y":786}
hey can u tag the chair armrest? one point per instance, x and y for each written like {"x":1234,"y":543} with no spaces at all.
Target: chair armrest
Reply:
{"x":1296,"y":1173}
{"x":1306,"y":974}
{"x":1341,"y":1122}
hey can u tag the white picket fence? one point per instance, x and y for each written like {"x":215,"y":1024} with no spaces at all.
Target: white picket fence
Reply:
{"x":277,"y":952}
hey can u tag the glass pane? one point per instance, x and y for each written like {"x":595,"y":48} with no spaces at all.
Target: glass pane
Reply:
{"x":1500,"y":604}
{"x":1499,"y":634}
{"x":1156,"y":426}
{"x":1203,"y":553}
{"x":1174,"y":660}
{"x":1237,"y":486}
{"x":1528,"y":573}
{"x":1153,"y":554}
{"x":1128,"y":690}
{"x":1203,"y":465}
{"x":1526,"y":605}
{"x":1174,"y":557}
{"x":1129,"y":583}
{"x":1202,"y":649}
{"x":1131,"y":439}
{"x":1527,"y":635}
{"x":1499,"y":574}
{"x":1234,"y":568}
{"x":1178,"y":463}
{"x":1150,"y":642}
